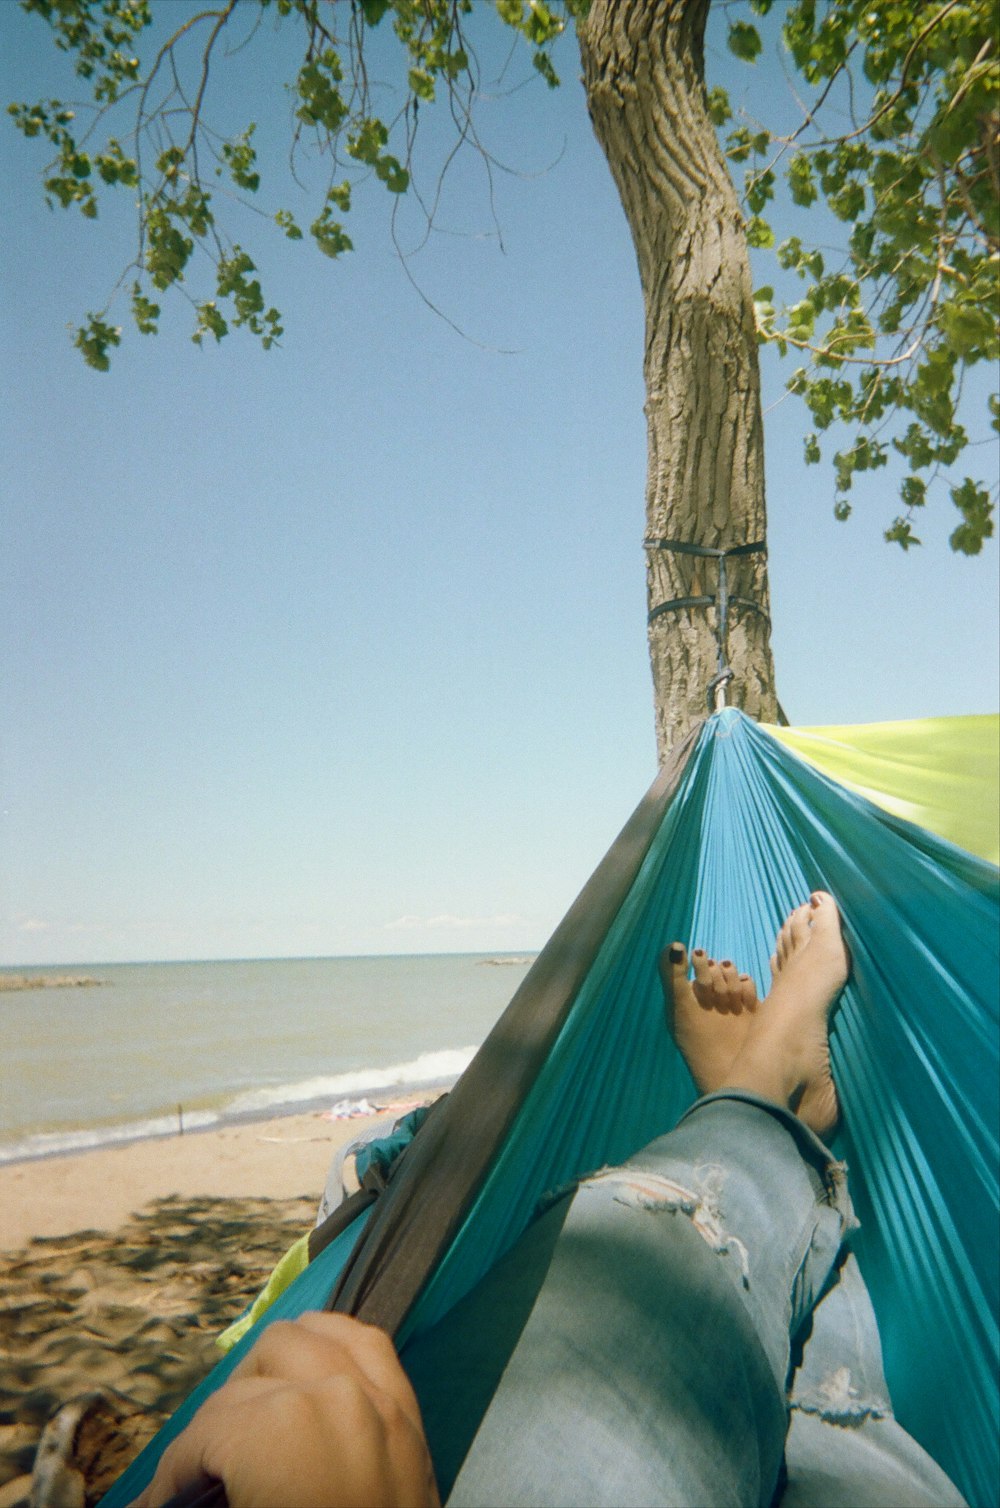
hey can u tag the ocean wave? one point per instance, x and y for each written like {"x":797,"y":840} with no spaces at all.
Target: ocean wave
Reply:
{"x":344,"y":1089}
{"x":430,"y":1068}
{"x":57,"y":1143}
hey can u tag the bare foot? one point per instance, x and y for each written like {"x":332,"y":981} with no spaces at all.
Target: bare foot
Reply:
{"x":786,"y":1053}
{"x":708,"y":1017}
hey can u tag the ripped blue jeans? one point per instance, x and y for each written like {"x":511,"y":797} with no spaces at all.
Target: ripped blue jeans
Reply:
{"x":643,"y":1342}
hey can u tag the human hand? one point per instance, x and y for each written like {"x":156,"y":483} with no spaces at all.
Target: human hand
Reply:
{"x":319,"y":1414}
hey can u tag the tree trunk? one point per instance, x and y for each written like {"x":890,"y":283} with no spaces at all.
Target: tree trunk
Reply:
{"x":644,"y":74}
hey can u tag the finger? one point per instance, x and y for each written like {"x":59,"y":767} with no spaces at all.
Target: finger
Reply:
{"x":201,"y":1454}
{"x":372,"y":1351}
{"x":386,"y":1443}
{"x":383,"y":1453}
{"x":182,"y":1465}
{"x":289,"y":1351}
{"x":316,"y":1346}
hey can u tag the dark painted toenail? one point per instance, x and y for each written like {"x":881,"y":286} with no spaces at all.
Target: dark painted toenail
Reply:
{"x":676,"y":953}
{"x":727,"y":963}
{"x":699,"y":952}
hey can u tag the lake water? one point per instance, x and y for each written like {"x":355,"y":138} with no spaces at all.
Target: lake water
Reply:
{"x":84,"y":1066}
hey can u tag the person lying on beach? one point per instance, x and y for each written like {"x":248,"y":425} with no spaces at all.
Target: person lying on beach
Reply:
{"x":649,"y":1320}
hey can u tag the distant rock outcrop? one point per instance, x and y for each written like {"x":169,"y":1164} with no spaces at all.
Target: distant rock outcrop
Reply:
{"x":47,"y":981}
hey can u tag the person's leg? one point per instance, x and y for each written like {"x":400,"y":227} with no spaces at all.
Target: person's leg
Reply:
{"x":844,"y":1448}
{"x":648,"y":1352}
{"x":651,"y":1368}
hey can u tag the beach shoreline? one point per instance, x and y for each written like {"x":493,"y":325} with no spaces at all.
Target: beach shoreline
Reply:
{"x":284,"y":1155}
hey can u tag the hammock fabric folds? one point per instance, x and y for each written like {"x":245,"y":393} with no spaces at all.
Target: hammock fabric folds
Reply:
{"x":580,"y":1071}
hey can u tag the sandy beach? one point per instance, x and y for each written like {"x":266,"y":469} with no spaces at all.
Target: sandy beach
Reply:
{"x":118,"y":1267}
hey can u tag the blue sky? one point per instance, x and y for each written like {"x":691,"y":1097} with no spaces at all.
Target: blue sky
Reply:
{"x":340,"y":648}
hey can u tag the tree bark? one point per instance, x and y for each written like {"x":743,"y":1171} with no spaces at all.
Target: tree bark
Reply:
{"x":644,"y":74}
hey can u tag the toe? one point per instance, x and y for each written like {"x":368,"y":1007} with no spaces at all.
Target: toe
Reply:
{"x":823,"y":909}
{"x":748,"y":993}
{"x":783,"y":943}
{"x":729,"y":986}
{"x":674,"y":974}
{"x":827,"y":926}
{"x":710,"y":987}
{"x":703,"y":977}
{"x":800,"y":922}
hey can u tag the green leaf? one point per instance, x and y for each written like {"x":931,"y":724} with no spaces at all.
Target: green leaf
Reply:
{"x":169,"y":161}
{"x":145,"y":313}
{"x":973,"y":501}
{"x":210,"y":322}
{"x":167,"y":249}
{"x":971,"y":330}
{"x":744,"y":40}
{"x":913,"y":491}
{"x":286,"y":221}
{"x":759,"y":189}
{"x":900,"y":533}
{"x":543,"y":63}
{"x":801,"y":182}
{"x":94,"y":339}
{"x":322,"y":103}
{"x":848,"y":202}
{"x":329,"y":235}
{"x":115,"y":167}
{"x":541,"y":25}
{"x":421,"y":83}
{"x":759,"y":233}
{"x":739,"y":144}
{"x":241,"y":159}
{"x":393,"y":175}
{"x":719,"y":109}
{"x":366,"y":143}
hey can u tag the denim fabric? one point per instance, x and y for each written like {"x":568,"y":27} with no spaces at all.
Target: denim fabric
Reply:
{"x":652,"y":1367}
{"x":635,"y":1345}
{"x":844,"y":1447}
{"x":607,"y":1397}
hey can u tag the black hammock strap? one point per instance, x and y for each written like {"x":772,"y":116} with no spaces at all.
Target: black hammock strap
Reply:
{"x":722,"y":601}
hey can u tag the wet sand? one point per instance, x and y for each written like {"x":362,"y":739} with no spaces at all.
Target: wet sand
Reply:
{"x":118,"y":1268}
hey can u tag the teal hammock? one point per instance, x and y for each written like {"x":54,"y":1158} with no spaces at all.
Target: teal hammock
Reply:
{"x":746,"y":832}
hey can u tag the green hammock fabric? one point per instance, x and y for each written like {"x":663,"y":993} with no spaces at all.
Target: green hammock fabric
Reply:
{"x":940,"y":773}
{"x":739,"y":831}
